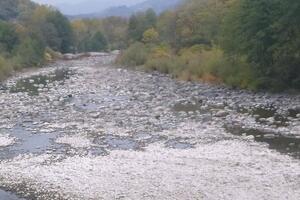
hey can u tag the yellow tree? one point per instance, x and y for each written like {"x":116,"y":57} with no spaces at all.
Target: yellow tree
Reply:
{"x":150,"y":36}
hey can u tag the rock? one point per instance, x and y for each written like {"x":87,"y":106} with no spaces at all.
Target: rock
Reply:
{"x":221,"y":113}
{"x":269,"y":136}
{"x":115,"y":52}
{"x":250,"y":137}
{"x":95,"y":115}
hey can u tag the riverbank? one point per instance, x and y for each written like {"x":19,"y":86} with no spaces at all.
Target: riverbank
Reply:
{"x":85,"y":129}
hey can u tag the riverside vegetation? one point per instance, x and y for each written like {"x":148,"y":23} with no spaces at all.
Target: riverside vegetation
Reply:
{"x":32,"y":34}
{"x":251,"y":44}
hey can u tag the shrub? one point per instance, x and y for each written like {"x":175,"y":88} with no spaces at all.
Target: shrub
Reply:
{"x":200,"y":62}
{"x":150,"y":36}
{"x":135,"y":55}
{"x":29,"y":53}
{"x":163,"y":60}
{"x":51,"y":55}
{"x":168,"y":65}
{"x":5,"y":68}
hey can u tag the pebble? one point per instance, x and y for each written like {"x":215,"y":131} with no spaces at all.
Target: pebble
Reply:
{"x":96,"y":101}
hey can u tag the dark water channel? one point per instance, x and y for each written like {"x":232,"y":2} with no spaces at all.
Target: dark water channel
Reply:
{"x":5,"y":195}
{"x":33,"y":84}
{"x":283,"y":143}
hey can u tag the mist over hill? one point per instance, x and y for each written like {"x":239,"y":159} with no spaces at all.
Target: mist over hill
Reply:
{"x":125,"y":11}
{"x":105,"y":8}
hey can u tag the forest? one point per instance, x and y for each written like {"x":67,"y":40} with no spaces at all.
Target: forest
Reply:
{"x":250,"y":44}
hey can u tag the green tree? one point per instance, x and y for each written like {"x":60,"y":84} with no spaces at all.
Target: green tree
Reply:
{"x":167,"y":26}
{"x":115,"y":30}
{"x":98,"y":42}
{"x":266,"y":32}
{"x":133,"y":32}
{"x":8,"y":37}
{"x":30,"y":52}
{"x":63,"y":30}
{"x":139,"y":23}
{"x":8,"y":9}
{"x":150,"y":19}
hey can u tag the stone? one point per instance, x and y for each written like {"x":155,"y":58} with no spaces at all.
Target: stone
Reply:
{"x":221,"y":113}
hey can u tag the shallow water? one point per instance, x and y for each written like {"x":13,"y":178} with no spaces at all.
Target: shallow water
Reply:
{"x":4,"y":195}
{"x":32,"y":84}
{"x":92,"y":123}
{"x":289,"y":145}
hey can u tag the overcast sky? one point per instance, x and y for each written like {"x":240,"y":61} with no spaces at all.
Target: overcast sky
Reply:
{"x":73,"y":7}
{"x":58,"y":2}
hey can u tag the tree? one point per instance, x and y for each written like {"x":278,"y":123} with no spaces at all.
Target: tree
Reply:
{"x":133,"y":27}
{"x":98,"y":42}
{"x":30,"y":52}
{"x":199,"y":22}
{"x":8,"y":9}
{"x":115,"y":31}
{"x":139,"y":23}
{"x":63,"y":30}
{"x":8,"y":37}
{"x":150,"y":36}
{"x":167,"y":26}
{"x":267,"y":33}
{"x":150,"y":18}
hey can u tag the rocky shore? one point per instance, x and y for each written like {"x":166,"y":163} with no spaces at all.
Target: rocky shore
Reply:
{"x":85,"y":129}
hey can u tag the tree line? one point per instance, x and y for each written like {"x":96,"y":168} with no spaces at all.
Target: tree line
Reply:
{"x":253,"y":44}
{"x":31,"y":34}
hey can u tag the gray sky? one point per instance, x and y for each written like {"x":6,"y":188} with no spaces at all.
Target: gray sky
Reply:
{"x":74,"y":7}
{"x":59,"y":2}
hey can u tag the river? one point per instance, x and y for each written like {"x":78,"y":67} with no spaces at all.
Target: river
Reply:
{"x":86,"y":129}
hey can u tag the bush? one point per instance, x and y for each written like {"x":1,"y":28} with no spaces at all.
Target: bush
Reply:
{"x":201,"y":63}
{"x":198,"y":62}
{"x":135,"y":55}
{"x":29,"y":53}
{"x":5,"y":68}
{"x":167,"y":65}
{"x":51,"y":55}
{"x":150,"y":36}
{"x":162,"y":59}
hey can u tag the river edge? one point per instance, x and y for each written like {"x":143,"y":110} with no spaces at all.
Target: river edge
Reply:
{"x":175,"y":141}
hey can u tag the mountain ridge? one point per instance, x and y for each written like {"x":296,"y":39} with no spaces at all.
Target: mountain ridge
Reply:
{"x":125,"y":11}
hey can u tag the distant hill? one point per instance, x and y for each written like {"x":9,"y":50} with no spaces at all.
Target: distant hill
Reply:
{"x":125,"y":11}
{"x":157,"y":5}
{"x":80,"y":7}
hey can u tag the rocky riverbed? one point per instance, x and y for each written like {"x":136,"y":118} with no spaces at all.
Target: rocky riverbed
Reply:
{"x":87,"y":130}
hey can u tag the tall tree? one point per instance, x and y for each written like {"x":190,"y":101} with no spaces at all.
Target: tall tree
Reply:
{"x":63,"y":29}
{"x":8,"y":37}
{"x":98,"y":42}
{"x":267,"y":33}
{"x":139,"y":23}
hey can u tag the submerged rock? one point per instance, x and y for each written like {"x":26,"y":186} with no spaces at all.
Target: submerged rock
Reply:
{"x":6,"y":140}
